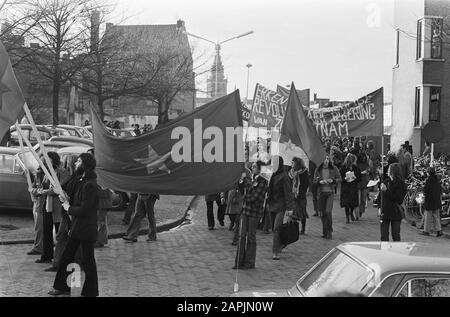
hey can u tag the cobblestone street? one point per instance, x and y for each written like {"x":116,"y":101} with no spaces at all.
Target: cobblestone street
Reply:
{"x":194,"y":261}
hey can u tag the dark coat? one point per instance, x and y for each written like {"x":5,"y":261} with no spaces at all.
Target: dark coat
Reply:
{"x":84,"y":208}
{"x":395,"y":194}
{"x":349,"y":190}
{"x":432,"y":191}
{"x":280,"y":197}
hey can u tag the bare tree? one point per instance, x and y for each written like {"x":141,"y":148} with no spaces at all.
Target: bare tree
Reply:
{"x":20,"y":17}
{"x":59,"y":34}
{"x":135,"y":62}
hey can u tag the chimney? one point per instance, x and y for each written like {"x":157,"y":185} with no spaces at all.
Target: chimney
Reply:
{"x":315,"y":97}
{"x":180,"y":25}
{"x":95,"y":30}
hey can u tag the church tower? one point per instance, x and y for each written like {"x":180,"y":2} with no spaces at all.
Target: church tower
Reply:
{"x":221,"y":80}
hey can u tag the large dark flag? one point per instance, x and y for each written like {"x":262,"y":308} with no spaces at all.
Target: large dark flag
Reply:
{"x":298,"y":136}
{"x":199,"y":153}
{"x":11,"y":98}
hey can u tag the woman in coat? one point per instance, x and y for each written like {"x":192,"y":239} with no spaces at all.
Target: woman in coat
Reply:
{"x":300,"y":182}
{"x":280,"y":199}
{"x":393,"y":192}
{"x":432,"y":191}
{"x":351,"y":176}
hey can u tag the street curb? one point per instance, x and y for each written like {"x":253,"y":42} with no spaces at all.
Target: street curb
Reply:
{"x":160,"y":228}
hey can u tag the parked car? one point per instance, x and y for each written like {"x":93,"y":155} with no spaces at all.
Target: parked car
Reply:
{"x":14,"y":192}
{"x":75,"y":131}
{"x":122,"y":133}
{"x":52,"y":145}
{"x":58,"y":131}
{"x":374,"y":269}
{"x":72,"y":139}
{"x":44,"y":132}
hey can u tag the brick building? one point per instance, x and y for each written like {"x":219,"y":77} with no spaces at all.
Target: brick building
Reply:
{"x":421,"y":73}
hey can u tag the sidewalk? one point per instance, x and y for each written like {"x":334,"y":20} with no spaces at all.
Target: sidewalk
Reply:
{"x":169,"y":212}
{"x":193,"y":261}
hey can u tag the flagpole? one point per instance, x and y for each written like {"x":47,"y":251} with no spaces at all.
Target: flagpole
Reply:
{"x":27,"y":172}
{"x":36,"y":156}
{"x":41,"y":144}
{"x":382,"y":146}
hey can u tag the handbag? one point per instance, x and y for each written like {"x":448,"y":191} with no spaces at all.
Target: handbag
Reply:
{"x":289,"y":232}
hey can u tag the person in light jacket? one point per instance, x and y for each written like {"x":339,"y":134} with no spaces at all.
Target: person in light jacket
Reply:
{"x":327,"y":176}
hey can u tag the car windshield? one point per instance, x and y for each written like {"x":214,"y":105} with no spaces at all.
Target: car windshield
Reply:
{"x":336,"y":273}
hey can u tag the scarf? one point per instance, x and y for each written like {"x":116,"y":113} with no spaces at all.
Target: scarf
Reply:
{"x":295,"y":176}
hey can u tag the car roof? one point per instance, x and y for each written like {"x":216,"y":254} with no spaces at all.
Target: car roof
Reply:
{"x":72,"y":139}
{"x":9,"y":150}
{"x":400,"y":257}
{"x":73,"y":150}
{"x":68,"y":126}
{"x":28,"y":127}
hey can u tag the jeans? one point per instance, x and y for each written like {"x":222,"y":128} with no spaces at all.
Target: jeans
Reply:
{"x":246,"y":250}
{"x":210,"y":212}
{"x":102,"y":226}
{"x":144,"y":206}
{"x":47,"y":253}
{"x":314,"y":192}
{"x":237,"y":221}
{"x":130,"y":209}
{"x":278,"y":221}
{"x":267,"y":221}
{"x":325,"y":209}
{"x":395,"y":227}
{"x":90,"y":287}
{"x":62,"y":236}
{"x":38,"y":231}
{"x":362,"y":201}
{"x":432,"y":216}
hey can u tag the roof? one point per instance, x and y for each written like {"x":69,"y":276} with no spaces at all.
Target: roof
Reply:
{"x":72,"y":139}
{"x":400,"y":256}
{"x":73,"y":150}
{"x":148,"y":36}
{"x":9,"y":150}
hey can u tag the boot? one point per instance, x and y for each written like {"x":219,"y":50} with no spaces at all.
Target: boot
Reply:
{"x":351,"y":216}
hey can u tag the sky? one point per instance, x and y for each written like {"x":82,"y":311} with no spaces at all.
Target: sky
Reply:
{"x":340,"y":49}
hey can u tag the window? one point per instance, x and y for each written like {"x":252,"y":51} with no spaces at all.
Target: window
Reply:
{"x":435,"y":103}
{"x":335,"y":274}
{"x":417,"y":108}
{"x":436,"y":38}
{"x":419,"y":39}
{"x":7,"y":164}
{"x":426,"y":287}
{"x":429,"y":38}
{"x":44,"y":136}
{"x":397,"y":47}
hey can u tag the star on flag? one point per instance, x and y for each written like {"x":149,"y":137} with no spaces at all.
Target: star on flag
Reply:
{"x":154,"y":161}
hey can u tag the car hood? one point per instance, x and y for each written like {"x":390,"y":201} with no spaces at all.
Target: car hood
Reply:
{"x":263,"y":293}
